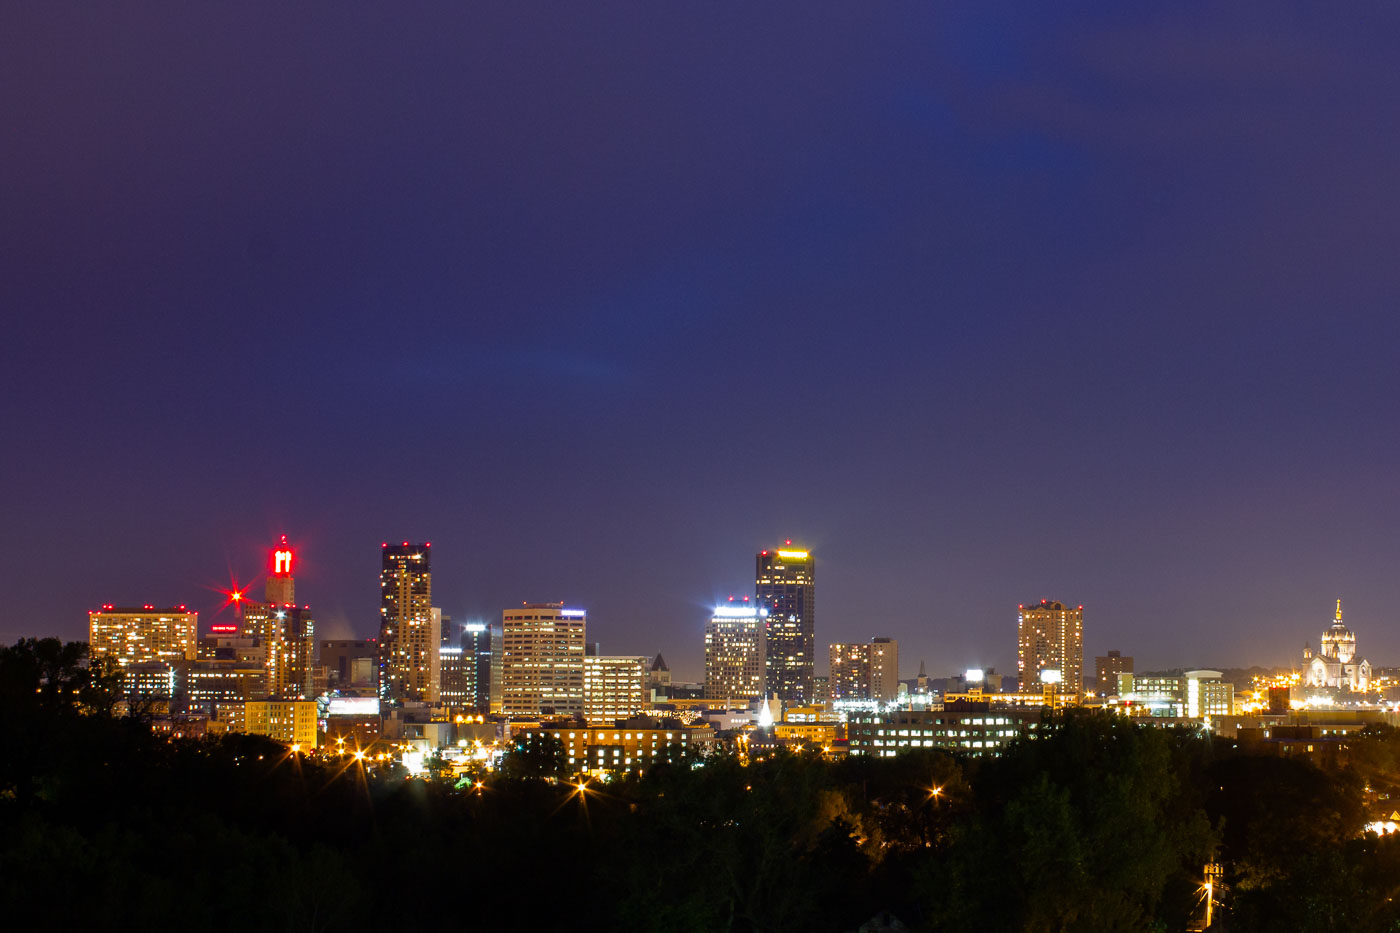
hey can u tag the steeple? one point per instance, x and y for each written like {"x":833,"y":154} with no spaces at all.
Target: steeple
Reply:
{"x":921,"y":668}
{"x":1339,"y":609}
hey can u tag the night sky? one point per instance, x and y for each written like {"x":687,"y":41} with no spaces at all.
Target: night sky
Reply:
{"x":1084,"y":302}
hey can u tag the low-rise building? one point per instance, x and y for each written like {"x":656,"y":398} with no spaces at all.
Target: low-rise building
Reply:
{"x":292,"y":722}
{"x":623,"y":746}
{"x":972,"y":728}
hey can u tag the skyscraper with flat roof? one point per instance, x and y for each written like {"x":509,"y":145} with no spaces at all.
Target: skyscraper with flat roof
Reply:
{"x":850,"y":671}
{"x":736,"y":639}
{"x":785,"y":585}
{"x":542,"y":647}
{"x":1050,"y":647}
{"x":144,"y":633}
{"x":408,"y":633}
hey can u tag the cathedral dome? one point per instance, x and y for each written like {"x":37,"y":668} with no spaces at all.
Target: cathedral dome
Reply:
{"x":1338,"y":642}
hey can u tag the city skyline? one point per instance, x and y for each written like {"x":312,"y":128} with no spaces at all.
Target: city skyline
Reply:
{"x":1090,"y":304}
{"x":223,"y":609}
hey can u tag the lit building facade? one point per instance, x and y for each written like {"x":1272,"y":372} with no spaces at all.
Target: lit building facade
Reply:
{"x":1106,"y":670}
{"x":452,"y":690}
{"x":542,"y":648}
{"x":211,"y":682}
{"x":285,"y":631}
{"x":482,"y":666}
{"x":287,"y":634}
{"x":785,"y":585}
{"x":292,"y":722}
{"x":977,"y":730}
{"x":865,"y":671}
{"x":850,"y":671}
{"x":134,"y":636}
{"x":1050,"y":647}
{"x":884,"y":670}
{"x":1335,"y":666}
{"x":624,"y":748}
{"x":613,"y":687}
{"x":736,"y":639}
{"x":408,"y":637}
{"x":1200,"y":694}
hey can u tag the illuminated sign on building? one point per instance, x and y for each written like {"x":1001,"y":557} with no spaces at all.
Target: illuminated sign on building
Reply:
{"x":353,"y":706}
{"x":224,"y":629}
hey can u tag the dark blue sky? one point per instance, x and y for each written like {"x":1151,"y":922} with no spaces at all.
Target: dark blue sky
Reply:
{"x":984,"y":305}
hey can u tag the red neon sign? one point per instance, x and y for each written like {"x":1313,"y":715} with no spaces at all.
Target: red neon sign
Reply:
{"x":223,"y":629}
{"x":282,"y":561}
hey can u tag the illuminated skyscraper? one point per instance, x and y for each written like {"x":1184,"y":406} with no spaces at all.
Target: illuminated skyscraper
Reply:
{"x":481,"y":665}
{"x":850,"y":671}
{"x":542,"y":650}
{"x":736,"y":640}
{"x":884,"y":670}
{"x":1050,"y":647}
{"x":408,"y":636}
{"x":865,"y":672}
{"x":786,"y":587}
{"x":137,"y":635}
{"x":285,"y":630}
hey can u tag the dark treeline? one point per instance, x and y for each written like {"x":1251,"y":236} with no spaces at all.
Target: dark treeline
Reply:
{"x":1098,"y":825}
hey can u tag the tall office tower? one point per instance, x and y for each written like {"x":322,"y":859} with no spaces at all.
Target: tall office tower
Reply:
{"x":884,"y":670}
{"x":1106,"y":671}
{"x":1050,"y":649}
{"x":850,"y":671}
{"x":452,"y":686}
{"x":281,"y":586}
{"x":286,"y":631}
{"x":785,"y":585}
{"x":542,"y":648}
{"x":407,"y":635}
{"x":736,"y":641}
{"x":613,"y":687}
{"x":136,"y":635}
{"x":481,"y":662}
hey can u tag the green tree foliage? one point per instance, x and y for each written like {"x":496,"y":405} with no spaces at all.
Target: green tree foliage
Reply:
{"x":536,"y":757}
{"x":1081,"y":828}
{"x":1096,"y":824}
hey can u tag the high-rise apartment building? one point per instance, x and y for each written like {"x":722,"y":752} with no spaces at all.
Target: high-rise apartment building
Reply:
{"x":1106,"y":670}
{"x":1050,"y":647}
{"x":407,"y":634}
{"x":135,"y":635}
{"x":736,"y":639}
{"x":884,"y":669}
{"x":864,"y":671}
{"x":542,"y":646}
{"x":850,"y":671}
{"x":613,"y":687}
{"x":785,"y":585}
